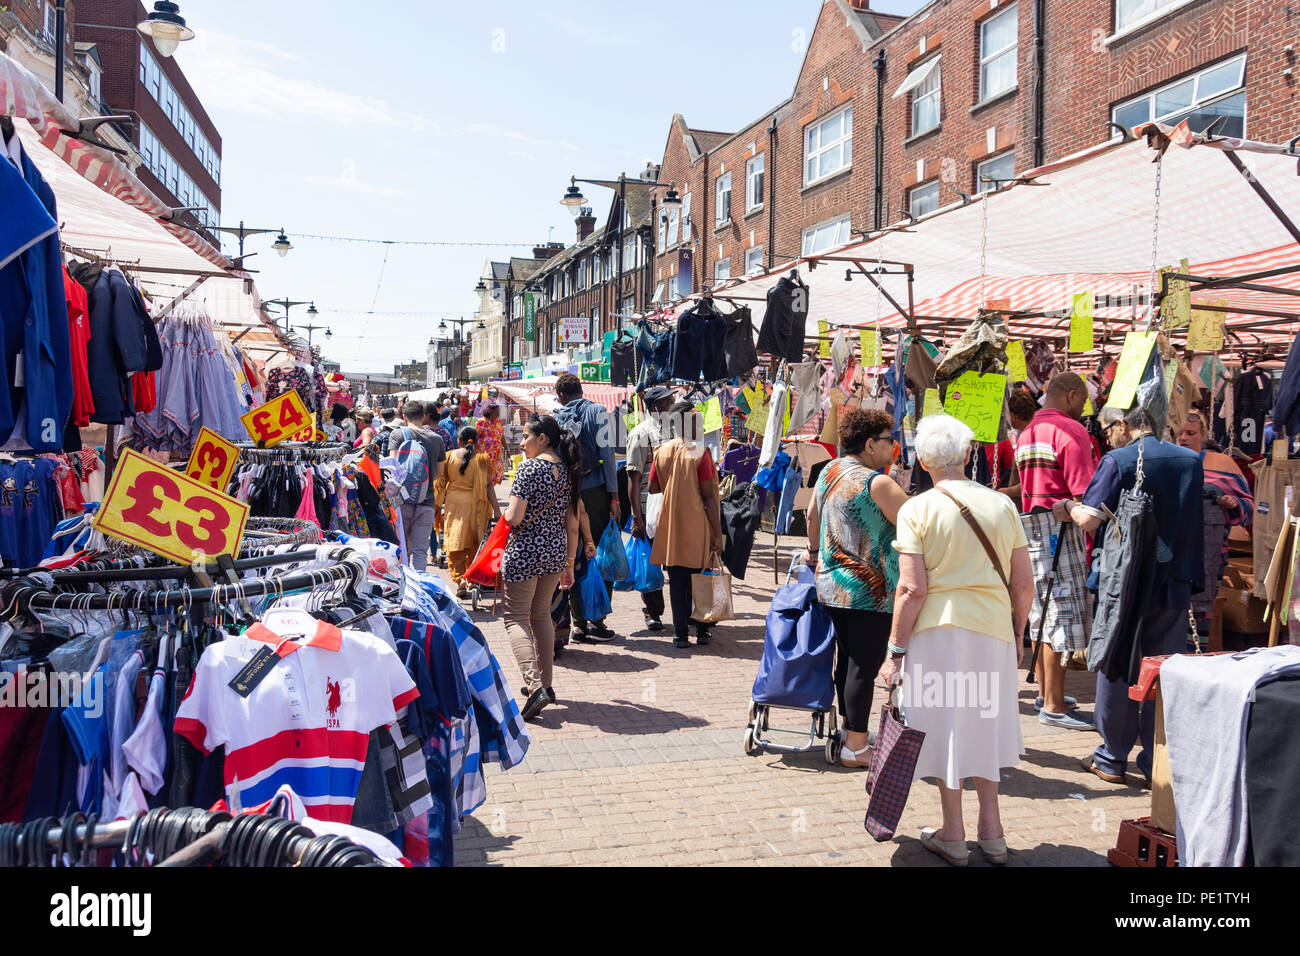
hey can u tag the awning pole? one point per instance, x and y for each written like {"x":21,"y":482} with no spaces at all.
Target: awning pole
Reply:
{"x":1263,"y":194}
{"x":185,"y":295}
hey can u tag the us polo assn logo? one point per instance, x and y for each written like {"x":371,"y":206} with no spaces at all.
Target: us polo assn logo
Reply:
{"x":333,"y":700}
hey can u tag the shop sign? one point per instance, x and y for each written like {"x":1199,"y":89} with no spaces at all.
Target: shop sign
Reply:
{"x":169,"y":513}
{"x":575,"y":330}
{"x":530,"y":317}
{"x":213,"y":460}
{"x":594,"y":372}
{"x":283,"y":418}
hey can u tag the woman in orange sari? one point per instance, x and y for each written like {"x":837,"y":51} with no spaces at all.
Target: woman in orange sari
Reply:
{"x":470,"y":505}
{"x":491,"y":441}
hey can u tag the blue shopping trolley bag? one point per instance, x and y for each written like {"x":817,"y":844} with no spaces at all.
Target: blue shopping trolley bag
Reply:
{"x":798,"y":663}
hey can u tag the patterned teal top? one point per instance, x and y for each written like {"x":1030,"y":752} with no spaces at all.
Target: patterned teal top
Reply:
{"x":858,"y":566}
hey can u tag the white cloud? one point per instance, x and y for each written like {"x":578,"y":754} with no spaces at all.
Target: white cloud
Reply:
{"x":348,"y":182}
{"x":483,"y":129}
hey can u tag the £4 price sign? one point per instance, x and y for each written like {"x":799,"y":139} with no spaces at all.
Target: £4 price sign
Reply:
{"x":213,"y":460}
{"x":280,"y":419}
{"x":169,"y":513}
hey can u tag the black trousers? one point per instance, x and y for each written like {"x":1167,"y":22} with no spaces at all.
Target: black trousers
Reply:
{"x":861,"y":641}
{"x":596,"y":501}
{"x":679,"y":595}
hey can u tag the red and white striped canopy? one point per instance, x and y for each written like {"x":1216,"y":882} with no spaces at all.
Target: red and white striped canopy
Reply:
{"x":539,"y":393}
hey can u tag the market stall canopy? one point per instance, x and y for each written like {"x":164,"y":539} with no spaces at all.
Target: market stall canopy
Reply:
{"x":1084,"y":223}
{"x":540,"y":393}
{"x":24,"y":97}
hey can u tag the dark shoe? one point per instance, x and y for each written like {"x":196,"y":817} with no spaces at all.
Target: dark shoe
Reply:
{"x":598,"y":633}
{"x":536,"y":702}
{"x":683,"y":641}
{"x":1088,"y":765}
{"x":653,"y":623}
{"x":550,"y":692}
{"x":703,"y":635}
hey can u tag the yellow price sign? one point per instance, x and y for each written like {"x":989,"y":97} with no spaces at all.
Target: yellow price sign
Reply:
{"x":757,"y":420}
{"x":1176,"y":306}
{"x":712,"y":412}
{"x":213,"y":460}
{"x":279,"y":420}
{"x":1088,"y":410}
{"x":931,"y":405}
{"x":977,"y":400}
{"x":1205,"y":333}
{"x":1128,"y":371}
{"x":870,"y":341}
{"x":1081,"y":334}
{"x":823,"y":339}
{"x":1017,"y":367}
{"x":169,"y":513}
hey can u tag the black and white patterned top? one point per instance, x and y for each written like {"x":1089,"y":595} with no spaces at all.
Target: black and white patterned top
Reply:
{"x":541,"y":547}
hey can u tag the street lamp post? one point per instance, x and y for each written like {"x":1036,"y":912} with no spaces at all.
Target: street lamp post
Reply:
{"x":165,"y":26}
{"x":574,"y":200}
{"x":460,"y":337}
{"x":287,"y":304}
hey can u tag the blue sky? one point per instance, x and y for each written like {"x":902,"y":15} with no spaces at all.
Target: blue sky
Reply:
{"x":456,"y":122}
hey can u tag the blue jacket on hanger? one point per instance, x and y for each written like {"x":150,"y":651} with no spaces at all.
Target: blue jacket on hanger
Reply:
{"x":35,"y":319}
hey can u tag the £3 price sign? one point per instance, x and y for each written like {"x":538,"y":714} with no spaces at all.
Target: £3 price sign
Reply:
{"x":213,"y":460}
{"x":170,"y":513}
{"x":280,"y":419}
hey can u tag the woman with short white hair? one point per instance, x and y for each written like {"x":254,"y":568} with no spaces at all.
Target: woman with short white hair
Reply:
{"x":964,"y":591}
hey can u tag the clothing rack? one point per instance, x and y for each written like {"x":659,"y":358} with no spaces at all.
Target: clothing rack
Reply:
{"x":294,"y":451}
{"x":185,"y":837}
{"x":29,"y":594}
{"x":164,"y":570}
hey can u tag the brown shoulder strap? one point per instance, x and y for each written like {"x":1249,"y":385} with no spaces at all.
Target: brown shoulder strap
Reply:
{"x":979,"y":533}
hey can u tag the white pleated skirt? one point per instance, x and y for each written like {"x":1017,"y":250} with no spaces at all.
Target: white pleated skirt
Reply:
{"x":960,"y":688}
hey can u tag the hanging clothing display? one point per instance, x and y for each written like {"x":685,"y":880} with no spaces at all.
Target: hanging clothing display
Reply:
{"x":655,"y":351}
{"x":778,"y":403}
{"x":622,"y":361}
{"x":199,"y":388}
{"x":741,"y":355}
{"x":742,"y":514}
{"x":785,"y":321}
{"x":805,"y":381}
{"x":31,"y":505}
{"x":33,"y":306}
{"x":701,"y":345}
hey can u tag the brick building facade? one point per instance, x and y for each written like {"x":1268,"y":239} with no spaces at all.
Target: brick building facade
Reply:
{"x":892,"y":116}
{"x":179,"y":145}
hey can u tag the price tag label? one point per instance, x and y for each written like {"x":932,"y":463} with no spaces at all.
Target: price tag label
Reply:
{"x":931,"y":405}
{"x":977,"y":400}
{"x":712,"y":414}
{"x":169,"y":513}
{"x":823,"y":339}
{"x":1081,"y":334}
{"x":213,"y":460}
{"x":284,"y":418}
{"x":1132,"y":363}
{"x":869,"y":339}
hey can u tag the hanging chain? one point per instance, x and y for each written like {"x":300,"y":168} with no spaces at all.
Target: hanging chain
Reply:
{"x":1155,"y":237}
{"x":984,"y":244}
{"x":1137,"y":488}
{"x":1196,"y":634}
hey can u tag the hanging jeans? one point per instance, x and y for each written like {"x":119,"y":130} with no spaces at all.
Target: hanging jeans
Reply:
{"x":701,"y":347}
{"x":1122,"y":721}
{"x":656,"y":352}
{"x":789,"y":488}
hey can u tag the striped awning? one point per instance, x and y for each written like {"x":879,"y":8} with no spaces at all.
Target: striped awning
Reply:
{"x":539,"y":393}
{"x":24,"y":97}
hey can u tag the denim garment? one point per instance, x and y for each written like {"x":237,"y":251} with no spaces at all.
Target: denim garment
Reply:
{"x":655,"y":350}
{"x":789,"y":488}
{"x":1127,"y":569}
{"x":701,"y":346}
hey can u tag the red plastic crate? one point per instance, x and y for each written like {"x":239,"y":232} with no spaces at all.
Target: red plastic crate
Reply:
{"x":1141,"y":844}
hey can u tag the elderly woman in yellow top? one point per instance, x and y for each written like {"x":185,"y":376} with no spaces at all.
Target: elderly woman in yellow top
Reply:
{"x":470,"y":505}
{"x":958,"y":612}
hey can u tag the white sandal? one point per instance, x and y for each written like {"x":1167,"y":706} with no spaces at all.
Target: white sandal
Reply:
{"x":849,"y":758}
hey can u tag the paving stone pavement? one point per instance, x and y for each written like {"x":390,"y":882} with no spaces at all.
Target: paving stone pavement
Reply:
{"x":641,"y":763}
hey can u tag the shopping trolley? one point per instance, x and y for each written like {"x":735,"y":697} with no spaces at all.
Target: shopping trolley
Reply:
{"x":797,"y":670}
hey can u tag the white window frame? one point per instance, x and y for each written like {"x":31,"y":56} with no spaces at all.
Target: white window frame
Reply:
{"x":755,"y":180}
{"x":51,"y":22}
{"x":754,"y":261}
{"x":930,"y":188}
{"x":674,"y":218}
{"x":686,"y":218}
{"x":661,"y":231}
{"x":719,"y":267}
{"x":980,"y":185}
{"x":722,"y":207}
{"x":845,"y":115}
{"x":841,"y":235}
{"x":987,"y":57}
{"x":928,"y":90}
{"x":1162,"y":7}
{"x":1197,"y":100}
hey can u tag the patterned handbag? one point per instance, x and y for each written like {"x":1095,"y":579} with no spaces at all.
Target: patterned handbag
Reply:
{"x":893,"y":761}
